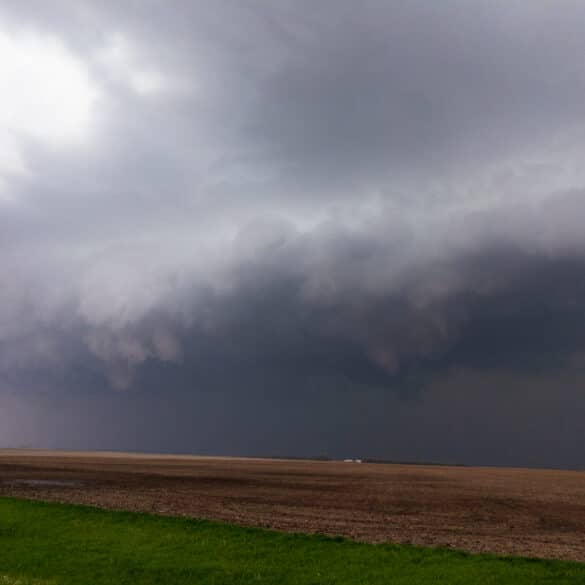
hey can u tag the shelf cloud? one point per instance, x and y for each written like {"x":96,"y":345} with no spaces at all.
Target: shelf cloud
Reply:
{"x":281,"y":204}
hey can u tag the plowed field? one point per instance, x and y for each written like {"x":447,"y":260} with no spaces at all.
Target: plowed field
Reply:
{"x":512,"y":511}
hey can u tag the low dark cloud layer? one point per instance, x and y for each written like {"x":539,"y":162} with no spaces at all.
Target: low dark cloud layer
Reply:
{"x":268,"y":227}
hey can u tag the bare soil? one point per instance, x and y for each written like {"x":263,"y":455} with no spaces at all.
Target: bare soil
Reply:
{"x":511,"y":511}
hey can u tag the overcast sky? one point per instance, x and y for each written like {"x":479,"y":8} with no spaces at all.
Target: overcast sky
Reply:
{"x":294,"y":228}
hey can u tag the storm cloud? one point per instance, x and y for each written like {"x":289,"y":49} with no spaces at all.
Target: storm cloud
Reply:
{"x":359,"y":215}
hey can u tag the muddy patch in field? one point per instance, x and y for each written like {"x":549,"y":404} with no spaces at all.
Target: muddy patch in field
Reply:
{"x":44,"y":482}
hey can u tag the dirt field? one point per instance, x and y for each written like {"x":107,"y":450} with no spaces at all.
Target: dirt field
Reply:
{"x":515,"y":511}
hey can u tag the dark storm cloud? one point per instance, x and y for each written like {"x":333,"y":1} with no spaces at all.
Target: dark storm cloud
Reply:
{"x":298,"y":306}
{"x":287,"y":199}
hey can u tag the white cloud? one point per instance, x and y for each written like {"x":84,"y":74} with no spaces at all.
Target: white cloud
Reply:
{"x":47,"y":93}
{"x":125,"y":64}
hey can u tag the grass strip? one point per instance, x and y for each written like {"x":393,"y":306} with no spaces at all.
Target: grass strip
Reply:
{"x":51,"y":544}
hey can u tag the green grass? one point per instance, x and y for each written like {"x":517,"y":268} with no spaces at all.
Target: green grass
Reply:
{"x":49,"y":544}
